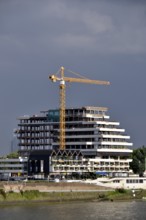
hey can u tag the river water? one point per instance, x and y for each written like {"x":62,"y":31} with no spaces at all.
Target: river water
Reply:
{"x":76,"y":211}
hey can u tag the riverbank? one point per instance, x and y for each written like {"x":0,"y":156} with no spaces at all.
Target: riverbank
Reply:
{"x":35,"y":192}
{"x":33,"y":197}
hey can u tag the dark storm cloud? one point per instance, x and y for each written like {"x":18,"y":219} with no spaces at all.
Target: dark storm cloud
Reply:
{"x":103,"y":38}
{"x":98,"y":28}
{"x":129,"y":1}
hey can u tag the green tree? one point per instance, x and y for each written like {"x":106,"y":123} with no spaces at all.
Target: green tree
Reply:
{"x":13,"y":155}
{"x":138,"y":163}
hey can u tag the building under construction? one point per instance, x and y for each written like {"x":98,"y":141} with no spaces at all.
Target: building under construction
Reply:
{"x":93,"y":143}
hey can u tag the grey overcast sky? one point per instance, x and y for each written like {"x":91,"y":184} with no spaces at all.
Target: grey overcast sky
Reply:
{"x":100,"y":39}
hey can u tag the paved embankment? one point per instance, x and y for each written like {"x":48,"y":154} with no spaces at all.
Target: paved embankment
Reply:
{"x":51,"y":187}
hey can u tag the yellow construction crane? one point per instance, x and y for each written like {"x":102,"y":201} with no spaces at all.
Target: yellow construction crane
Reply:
{"x":62,"y":80}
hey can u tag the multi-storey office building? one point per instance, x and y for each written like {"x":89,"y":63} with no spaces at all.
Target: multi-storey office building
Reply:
{"x":94,"y":143}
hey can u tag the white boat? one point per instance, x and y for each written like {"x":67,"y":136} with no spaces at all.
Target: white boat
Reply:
{"x":131,"y":182}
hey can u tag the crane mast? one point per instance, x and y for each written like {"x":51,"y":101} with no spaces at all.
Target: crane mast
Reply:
{"x":62,"y":110}
{"x":62,"y":87}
